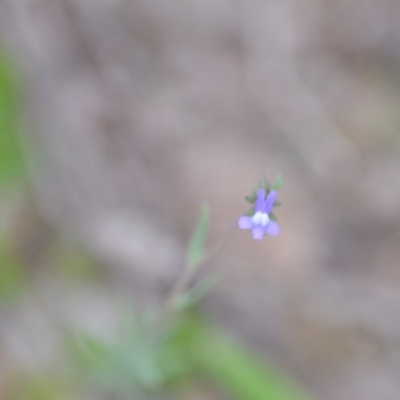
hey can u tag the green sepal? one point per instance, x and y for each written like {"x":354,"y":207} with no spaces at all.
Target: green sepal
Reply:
{"x":273,"y":217}
{"x":277,"y":204}
{"x":250,"y":199}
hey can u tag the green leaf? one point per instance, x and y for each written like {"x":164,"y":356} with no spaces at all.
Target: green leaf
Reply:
{"x":273,"y":217}
{"x":242,"y":374}
{"x":194,"y":295}
{"x":195,"y":250}
{"x":229,"y":365}
{"x":250,"y":199}
{"x":278,"y":182}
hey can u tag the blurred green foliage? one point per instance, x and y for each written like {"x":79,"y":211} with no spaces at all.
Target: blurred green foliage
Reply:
{"x":155,"y":356}
{"x":150,"y":358}
{"x":12,"y":278}
{"x":72,"y":263}
{"x":132,"y":363}
{"x":39,"y":388}
{"x":12,"y":166}
{"x":230,"y":365}
{"x":243,"y":375}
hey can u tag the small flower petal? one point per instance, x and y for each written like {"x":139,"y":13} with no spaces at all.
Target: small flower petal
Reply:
{"x":256,"y":219}
{"x":272,"y":229}
{"x":270,"y":202}
{"x":245,"y":222}
{"x":258,"y":232}
{"x":260,"y":219}
{"x":260,"y":203}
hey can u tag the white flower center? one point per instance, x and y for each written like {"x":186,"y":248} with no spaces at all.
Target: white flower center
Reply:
{"x":260,"y":218}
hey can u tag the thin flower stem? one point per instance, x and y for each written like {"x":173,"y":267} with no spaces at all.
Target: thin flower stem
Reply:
{"x":190,"y":270}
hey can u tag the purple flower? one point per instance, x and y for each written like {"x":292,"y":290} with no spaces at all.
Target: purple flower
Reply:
{"x":260,"y":223}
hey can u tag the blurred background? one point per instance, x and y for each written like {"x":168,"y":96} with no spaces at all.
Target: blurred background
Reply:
{"x":119,"y":118}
